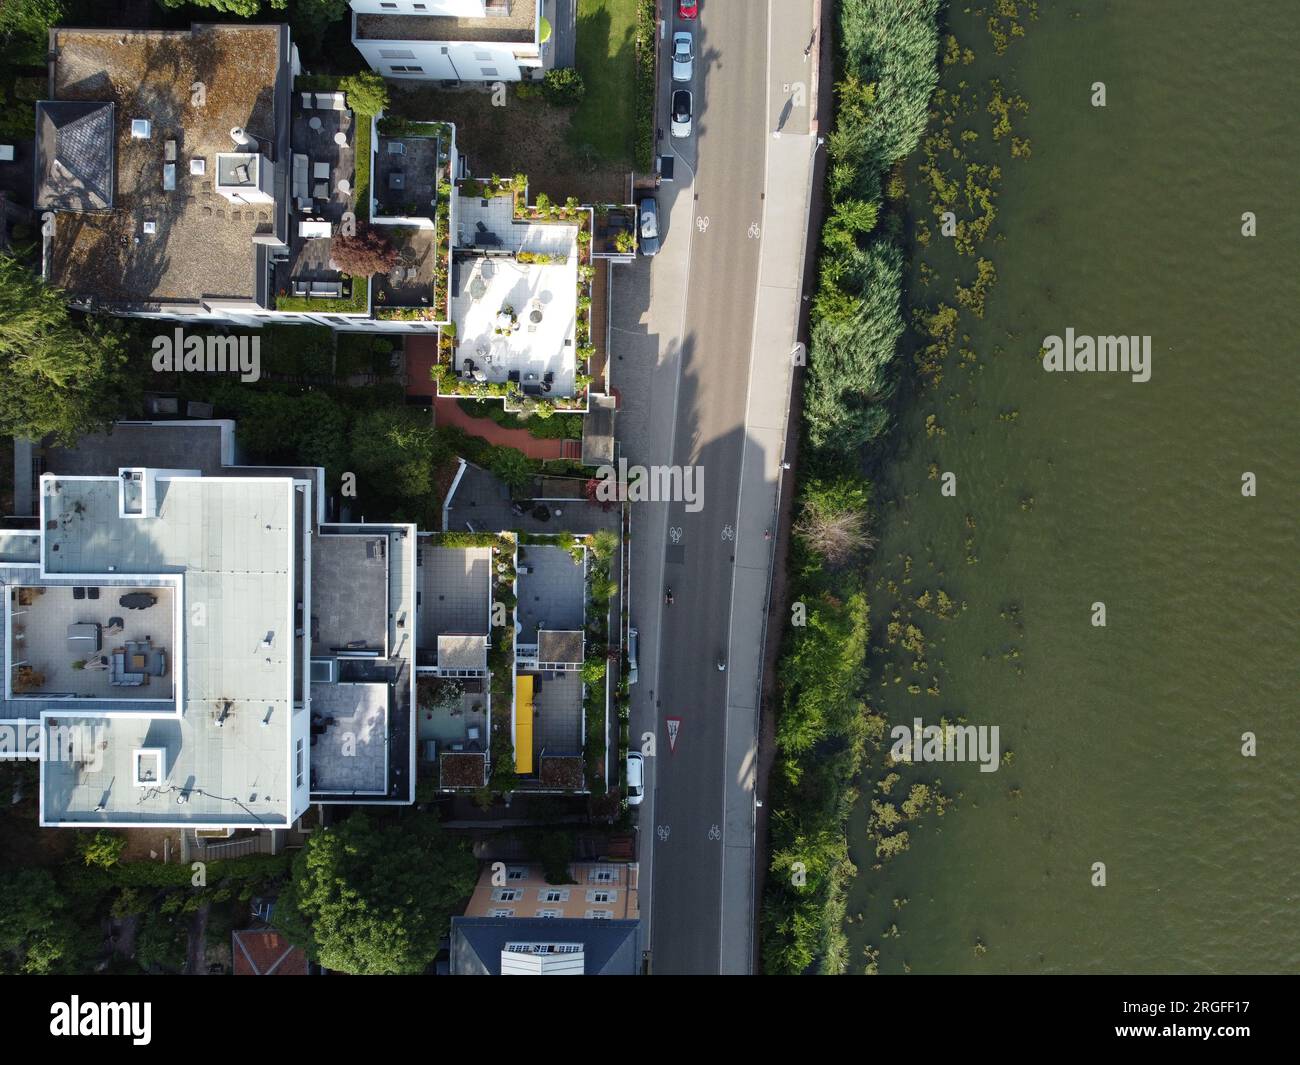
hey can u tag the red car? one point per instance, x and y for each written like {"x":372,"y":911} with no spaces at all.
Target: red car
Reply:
{"x":687,"y":8}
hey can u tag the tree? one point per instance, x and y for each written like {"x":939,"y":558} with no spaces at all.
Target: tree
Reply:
{"x":61,"y":377}
{"x":103,"y":849}
{"x":310,"y":18}
{"x":36,"y":936}
{"x":367,"y":92}
{"x":397,"y":451}
{"x":243,"y":8}
{"x":364,"y":253}
{"x":372,"y":901}
{"x":24,"y":29}
{"x":510,"y":464}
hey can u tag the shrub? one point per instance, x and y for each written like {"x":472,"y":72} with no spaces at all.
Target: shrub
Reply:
{"x":367,"y":92}
{"x":564,"y":87}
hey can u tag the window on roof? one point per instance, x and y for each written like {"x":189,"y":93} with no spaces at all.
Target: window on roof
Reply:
{"x":489,"y":72}
{"x":300,"y":764}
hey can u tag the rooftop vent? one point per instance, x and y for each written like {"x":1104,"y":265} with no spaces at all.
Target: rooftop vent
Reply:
{"x":241,"y":138}
{"x":141,"y":129}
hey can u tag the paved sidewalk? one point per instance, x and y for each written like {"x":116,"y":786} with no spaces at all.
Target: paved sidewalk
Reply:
{"x":446,"y":411}
{"x":784,"y":230}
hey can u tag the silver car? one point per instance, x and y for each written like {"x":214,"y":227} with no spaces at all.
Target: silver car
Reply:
{"x":648,"y":224}
{"x":683,"y":56}
{"x":681,"y":124}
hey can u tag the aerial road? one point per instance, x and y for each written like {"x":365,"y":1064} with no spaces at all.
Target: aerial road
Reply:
{"x":729,"y":404}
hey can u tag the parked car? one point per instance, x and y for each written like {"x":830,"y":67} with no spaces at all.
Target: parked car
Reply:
{"x":687,"y":8}
{"x":648,"y":221}
{"x":683,"y":56}
{"x":631,"y":656}
{"x":681,"y":125}
{"x":635,"y":778}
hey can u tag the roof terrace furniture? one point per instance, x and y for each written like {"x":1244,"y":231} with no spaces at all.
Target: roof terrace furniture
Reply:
{"x":84,"y":637}
{"x":327,"y":288}
{"x":321,"y":191}
{"x":314,"y":227}
{"x":331,"y":101}
{"x":396,"y":180}
{"x":396,"y":148}
{"x":306,"y":101}
{"x":120,"y":674}
{"x":315,"y":123}
{"x":320,"y":170}
{"x":138,"y":600}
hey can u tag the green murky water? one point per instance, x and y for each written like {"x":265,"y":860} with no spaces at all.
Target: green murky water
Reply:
{"x":1127,"y":739}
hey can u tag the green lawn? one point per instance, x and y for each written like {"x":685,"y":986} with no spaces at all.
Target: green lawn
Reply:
{"x":606,"y":58}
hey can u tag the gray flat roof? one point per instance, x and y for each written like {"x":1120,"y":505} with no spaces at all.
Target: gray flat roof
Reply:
{"x":349,"y":602}
{"x":454,"y":585}
{"x":516,"y":26}
{"x":228,"y":545}
{"x":552,"y":594}
{"x":351,"y":755}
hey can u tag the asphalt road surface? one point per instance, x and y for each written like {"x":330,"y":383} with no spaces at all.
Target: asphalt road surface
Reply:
{"x":728,"y":152}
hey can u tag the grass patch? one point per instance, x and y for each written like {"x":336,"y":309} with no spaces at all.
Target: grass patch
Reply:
{"x":606,"y":59}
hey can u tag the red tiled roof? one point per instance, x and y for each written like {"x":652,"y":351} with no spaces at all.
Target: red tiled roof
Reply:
{"x":261,"y":952}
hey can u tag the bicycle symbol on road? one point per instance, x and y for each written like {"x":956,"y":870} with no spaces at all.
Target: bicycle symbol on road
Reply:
{"x":675,"y":534}
{"x":662,"y":832}
{"x":753,"y":230}
{"x":702,"y":223}
{"x":715,"y":832}
{"x":728,"y":533}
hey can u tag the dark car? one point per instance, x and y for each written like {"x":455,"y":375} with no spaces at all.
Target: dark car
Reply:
{"x":648,"y":222}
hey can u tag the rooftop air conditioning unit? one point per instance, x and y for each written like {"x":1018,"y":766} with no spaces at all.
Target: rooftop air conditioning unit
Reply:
{"x":141,"y":129}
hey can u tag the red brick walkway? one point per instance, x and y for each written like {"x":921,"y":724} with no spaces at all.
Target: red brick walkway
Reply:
{"x":447,"y":411}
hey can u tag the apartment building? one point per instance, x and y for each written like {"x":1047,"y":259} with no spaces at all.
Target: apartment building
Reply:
{"x":456,"y":40}
{"x":195,"y":645}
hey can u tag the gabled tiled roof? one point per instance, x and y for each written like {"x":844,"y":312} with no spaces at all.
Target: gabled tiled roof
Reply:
{"x":74,"y":155}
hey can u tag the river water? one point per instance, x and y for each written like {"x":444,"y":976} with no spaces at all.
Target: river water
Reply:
{"x":1127,"y":738}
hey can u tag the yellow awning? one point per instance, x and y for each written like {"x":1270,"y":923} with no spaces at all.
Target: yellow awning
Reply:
{"x":523,"y":724}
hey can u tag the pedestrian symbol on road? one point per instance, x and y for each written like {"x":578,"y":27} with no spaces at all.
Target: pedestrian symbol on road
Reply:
{"x":673,"y":723}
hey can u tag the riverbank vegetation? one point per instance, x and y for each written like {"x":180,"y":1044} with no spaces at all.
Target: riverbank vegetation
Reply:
{"x":871,"y":349}
{"x":824,"y":728}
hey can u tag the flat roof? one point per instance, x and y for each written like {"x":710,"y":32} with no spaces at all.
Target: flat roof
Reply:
{"x":349,"y":601}
{"x":350,"y":757}
{"x":454,"y":586}
{"x":203,"y":244}
{"x":516,"y":25}
{"x":228,"y":545}
{"x":552,"y":594}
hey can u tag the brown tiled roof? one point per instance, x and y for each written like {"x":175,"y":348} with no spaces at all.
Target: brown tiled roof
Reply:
{"x":263,"y":952}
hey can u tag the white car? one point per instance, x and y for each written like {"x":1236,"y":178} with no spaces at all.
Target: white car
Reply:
{"x":631,"y":655}
{"x":635,"y":778}
{"x":681,"y":125}
{"x":683,"y":56}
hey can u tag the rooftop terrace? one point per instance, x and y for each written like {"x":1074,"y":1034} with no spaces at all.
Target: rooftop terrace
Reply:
{"x":201,"y":244}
